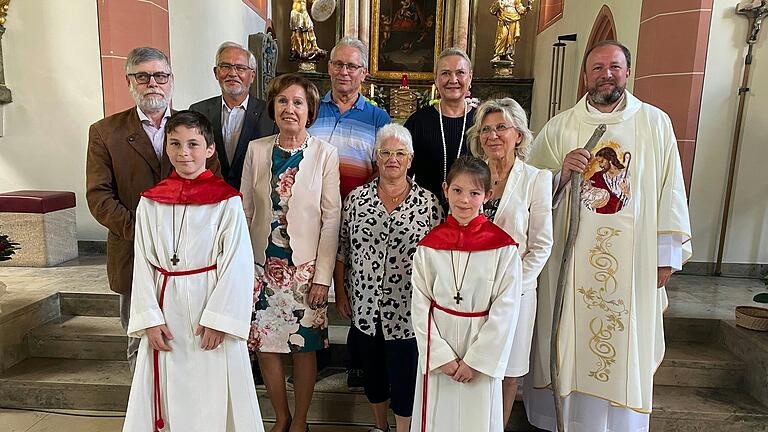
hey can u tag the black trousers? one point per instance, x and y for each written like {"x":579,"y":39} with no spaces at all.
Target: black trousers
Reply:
{"x":389,"y":369}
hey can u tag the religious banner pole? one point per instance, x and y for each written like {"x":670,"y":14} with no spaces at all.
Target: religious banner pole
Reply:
{"x":573,"y":230}
{"x":755,"y":11}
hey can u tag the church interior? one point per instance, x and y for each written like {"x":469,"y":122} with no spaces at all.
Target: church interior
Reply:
{"x":62,"y":69}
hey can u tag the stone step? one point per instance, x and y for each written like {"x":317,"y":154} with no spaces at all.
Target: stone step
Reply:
{"x":90,"y":304}
{"x":43,"y":383}
{"x":102,"y":385}
{"x":108,"y":305}
{"x":699,"y":364}
{"x":79,"y":337}
{"x":103,"y":338}
{"x":693,"y":364}
{"x":51,"y":383}
{"x":690,"y":329}
{"x":706,"y":409}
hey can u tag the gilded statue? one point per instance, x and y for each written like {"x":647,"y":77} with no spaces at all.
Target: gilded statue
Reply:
{"x":303,"y":40}
{"x":508,"y":13}
{"x":4,"y":6}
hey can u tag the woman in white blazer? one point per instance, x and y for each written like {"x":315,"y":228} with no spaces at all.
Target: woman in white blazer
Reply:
{"x":521,"y":204}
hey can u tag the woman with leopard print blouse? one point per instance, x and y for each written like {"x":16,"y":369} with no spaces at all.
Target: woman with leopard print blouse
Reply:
{"x":381,"y":223}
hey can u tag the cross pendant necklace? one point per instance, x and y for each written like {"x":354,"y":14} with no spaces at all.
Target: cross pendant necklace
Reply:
{"x":458,"y":285}
{"x":458,"y":297}
{"x":175,"y":257}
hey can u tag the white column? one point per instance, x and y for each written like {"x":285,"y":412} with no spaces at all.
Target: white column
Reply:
{"x":364,"y":20}
{"x":351,"y":17}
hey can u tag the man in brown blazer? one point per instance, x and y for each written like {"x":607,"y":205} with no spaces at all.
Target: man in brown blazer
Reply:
{"x":126,"y":156}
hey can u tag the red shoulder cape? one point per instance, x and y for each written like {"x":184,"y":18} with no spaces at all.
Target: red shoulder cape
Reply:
{"x":205,"y":189}
{"x":478,"y":235}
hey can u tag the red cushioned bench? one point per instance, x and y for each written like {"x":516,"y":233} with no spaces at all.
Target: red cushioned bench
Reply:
{"x":44,"y":225}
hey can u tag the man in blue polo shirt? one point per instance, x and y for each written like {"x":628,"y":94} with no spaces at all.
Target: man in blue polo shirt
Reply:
{"x":346,"y":119}
{"x":349,"y":122}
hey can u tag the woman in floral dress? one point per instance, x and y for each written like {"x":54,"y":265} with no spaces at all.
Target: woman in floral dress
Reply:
{"x":290,"y":190}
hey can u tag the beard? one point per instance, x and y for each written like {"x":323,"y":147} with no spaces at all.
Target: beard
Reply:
{"x":234,"y":91}
{"x":148,"y":102}
{"x":606,"y":97}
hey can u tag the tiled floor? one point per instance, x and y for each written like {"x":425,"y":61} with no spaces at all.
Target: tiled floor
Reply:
{"x":689,"y":296}
{"x":32,"y":421}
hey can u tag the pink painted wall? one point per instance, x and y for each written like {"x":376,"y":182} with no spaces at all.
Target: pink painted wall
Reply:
{"x":669,"y":67}
{"x":124,"y":25}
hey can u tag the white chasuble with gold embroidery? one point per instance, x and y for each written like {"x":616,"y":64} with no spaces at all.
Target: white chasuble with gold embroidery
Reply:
{"x":611,"y":337}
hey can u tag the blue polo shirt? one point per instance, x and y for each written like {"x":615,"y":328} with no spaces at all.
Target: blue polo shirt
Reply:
{"x":354,"y":136}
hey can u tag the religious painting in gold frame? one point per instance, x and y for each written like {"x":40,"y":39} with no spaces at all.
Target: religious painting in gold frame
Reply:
{"x":406,"y":36}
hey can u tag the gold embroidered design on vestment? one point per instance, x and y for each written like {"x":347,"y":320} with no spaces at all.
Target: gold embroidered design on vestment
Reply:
{"x":603,"y":328}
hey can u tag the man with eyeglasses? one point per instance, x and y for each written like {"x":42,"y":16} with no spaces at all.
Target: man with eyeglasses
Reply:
{"x":350,"y":123}
{"x":126,"y":156}
{"x":237,"y":116}
{"x":346,"y":119}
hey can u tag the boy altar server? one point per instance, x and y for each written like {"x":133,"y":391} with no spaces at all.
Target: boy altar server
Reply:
{"x":192,"y":296}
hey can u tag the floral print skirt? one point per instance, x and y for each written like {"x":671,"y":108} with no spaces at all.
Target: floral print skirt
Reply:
{"x":283,"y":320}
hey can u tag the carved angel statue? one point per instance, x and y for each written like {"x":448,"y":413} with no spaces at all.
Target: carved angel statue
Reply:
{"x":303,"y":40}
{"x":508,"y":13}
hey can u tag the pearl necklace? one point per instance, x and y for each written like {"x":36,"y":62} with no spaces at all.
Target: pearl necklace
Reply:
{"x":292,"y":151}
{"x":442,"y":135}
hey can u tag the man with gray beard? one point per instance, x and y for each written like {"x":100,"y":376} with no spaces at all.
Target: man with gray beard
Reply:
{"x":126,"y":156}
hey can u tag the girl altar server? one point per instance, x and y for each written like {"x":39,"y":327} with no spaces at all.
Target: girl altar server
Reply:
{"x":466,"y":298}
{"x":192,"y":296}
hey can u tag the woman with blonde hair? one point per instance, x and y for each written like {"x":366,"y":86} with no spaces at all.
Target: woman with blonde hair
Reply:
{"x":439,"y":131}
{"x":521,"y":204}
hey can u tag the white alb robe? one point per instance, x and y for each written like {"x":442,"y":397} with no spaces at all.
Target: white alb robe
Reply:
{"x":611,"y":333}
{"x":201,"y":390}
{"x":492,"y":282}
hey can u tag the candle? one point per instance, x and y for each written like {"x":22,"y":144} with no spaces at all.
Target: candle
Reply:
{"x":432,"y":93}
{"x":372,"y":92}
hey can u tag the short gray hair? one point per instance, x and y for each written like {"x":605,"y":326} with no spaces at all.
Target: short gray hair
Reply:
{"x":141,"y":55}
{"x":512,"y":112}
{"x":452,"y":51}
{"x":227,"y":45}
{"x":354,"y":43}
{"x":396,"y":131}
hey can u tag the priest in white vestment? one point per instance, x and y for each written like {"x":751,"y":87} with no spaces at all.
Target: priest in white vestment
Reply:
{"x":474,"y":268}
{"x":634,"y":232}
{"x":193,"y":276}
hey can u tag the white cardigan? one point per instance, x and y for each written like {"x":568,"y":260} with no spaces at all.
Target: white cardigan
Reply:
{"x":314,"y":209}
{"x":525,"y":213}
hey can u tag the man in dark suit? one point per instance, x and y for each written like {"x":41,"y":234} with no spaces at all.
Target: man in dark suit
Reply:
{"x":237,"y":117}
{"x":126,"y":156}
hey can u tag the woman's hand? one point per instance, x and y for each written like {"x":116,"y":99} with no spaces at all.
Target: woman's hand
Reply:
{"x":450,"y":368}
{"x":318,"y":295}
{"x":342,"y":304}
{"x":464,"y":373}
{"x":211,"y":338}
{"x":157,"y":335}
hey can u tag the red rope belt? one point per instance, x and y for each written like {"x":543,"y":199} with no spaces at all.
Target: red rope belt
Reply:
{"x":159,"y":423}
{"x":432,"y":307}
